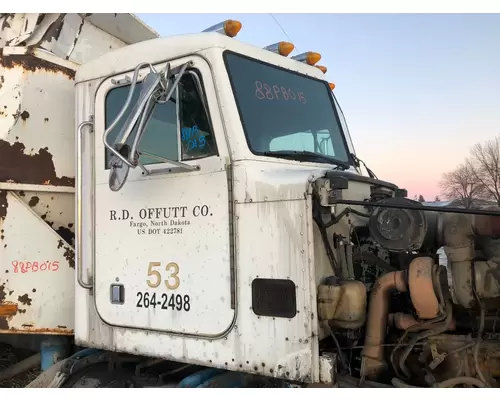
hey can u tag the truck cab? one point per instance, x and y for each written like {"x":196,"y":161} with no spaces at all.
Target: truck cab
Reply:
{"x":190,"y":211}
{"x":195,"y":233}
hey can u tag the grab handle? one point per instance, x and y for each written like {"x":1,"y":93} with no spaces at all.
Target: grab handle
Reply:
{"x":78,"y":249}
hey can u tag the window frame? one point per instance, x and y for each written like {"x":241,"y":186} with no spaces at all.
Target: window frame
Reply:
{"x":195,"y":74}
{"x":225,"y":53}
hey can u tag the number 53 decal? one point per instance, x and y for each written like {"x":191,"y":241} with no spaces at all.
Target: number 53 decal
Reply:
{"x":172,"y":269}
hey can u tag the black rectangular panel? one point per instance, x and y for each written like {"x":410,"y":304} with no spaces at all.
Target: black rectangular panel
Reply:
{"x":274,"y":298}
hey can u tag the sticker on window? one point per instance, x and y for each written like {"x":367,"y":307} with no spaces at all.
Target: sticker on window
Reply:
{"x":193,"y":138}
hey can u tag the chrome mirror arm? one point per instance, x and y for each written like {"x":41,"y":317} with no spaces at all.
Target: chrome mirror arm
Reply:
{"x":122,"y":112}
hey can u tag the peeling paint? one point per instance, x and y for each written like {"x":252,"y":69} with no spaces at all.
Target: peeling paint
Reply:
{"x":33,"y":201}
{"x":32,"y":63}
{"x":5,"y":20}
{"x":25,"y":115}
{"x":3,"y":204}
{"x":66,"y":234}
{"x":19,"y":167}
{"x":2,"y":293}
{"x":27,"y":328}
{"x":69,"y":255}
{"x":8,"y":309}
{"x":24,"y":299}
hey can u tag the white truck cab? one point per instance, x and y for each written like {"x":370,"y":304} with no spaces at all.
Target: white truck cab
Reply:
{"x":195,"y":231}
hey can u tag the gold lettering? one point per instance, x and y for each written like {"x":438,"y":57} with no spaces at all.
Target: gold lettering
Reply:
{"x":171,"y":268}
{"x":173,"y":275}
{"x":152,"y":272}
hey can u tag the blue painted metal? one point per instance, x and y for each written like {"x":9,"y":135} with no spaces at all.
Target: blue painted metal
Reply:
{"x":85,"y":353}
{"x":53,"y":349}
{"x":229,"y":379}
{"x":217,"y":378}
{"x":196,"y":379}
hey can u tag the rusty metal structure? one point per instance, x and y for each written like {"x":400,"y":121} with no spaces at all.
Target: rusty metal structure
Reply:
{"x":39,"y":54}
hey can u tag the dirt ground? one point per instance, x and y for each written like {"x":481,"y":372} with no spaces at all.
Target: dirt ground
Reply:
{"x":10,"y":356}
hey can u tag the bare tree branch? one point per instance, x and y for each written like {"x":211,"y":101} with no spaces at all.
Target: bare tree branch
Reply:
{"x":485,"y":164}
{"x":462,"y":184}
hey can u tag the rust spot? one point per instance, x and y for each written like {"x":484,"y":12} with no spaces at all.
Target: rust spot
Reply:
{"x":33,"y":329}
{"x":6,"y":271}
{"x":25,"y":115}
{"x":60,"y":244}
{"x":22,"y":194}
{"x":37,"y":169}
{"x":3,"y":204}
{"x":8,"y":309}
{"x":62,"y":327}
{"x":70,"y":225}
{"x":21,"y":311}
{"x":45,"y":120}
{"x":32,"y":63}
{"x":10,"y":291}
{"x":24,"y":299}
{"x":69,"y":255}
{"x":4,"y":325}
{"x":34,"y":290}
{"x":2,"y":292}
{"x":33,"y":201}
{"x":66,"y":234}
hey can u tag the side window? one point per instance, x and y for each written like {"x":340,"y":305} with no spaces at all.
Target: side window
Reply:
{"x":176,"y":132}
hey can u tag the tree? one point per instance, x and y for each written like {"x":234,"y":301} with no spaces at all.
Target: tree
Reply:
{"x":485,"y":164}
{"x":437,"y":198}
{"x":421,"y":199}
{"x":461,"y":184}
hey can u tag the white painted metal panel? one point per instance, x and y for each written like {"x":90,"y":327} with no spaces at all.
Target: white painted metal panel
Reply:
{"x":37,"y":272}
{"x":92,"y":43}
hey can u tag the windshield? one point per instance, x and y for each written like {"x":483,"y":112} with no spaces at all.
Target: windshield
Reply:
{"x":285,"y":112}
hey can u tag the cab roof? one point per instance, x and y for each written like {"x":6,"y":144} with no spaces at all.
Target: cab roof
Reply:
{"x":159,"y":50}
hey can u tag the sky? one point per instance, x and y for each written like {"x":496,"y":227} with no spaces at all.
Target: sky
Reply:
{"x":417,"y":90}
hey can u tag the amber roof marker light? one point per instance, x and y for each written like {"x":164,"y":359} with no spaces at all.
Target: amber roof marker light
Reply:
{"x":309,"y":57}
{"x":229,"y":27}
{"x":322,"y":68}
{"x":281,"y":48}
{"x":332,"y":86}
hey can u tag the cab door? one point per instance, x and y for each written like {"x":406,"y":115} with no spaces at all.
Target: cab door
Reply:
{"x":162,"y":242}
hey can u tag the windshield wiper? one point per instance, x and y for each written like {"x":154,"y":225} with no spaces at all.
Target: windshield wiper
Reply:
{"x":307,"y":156}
